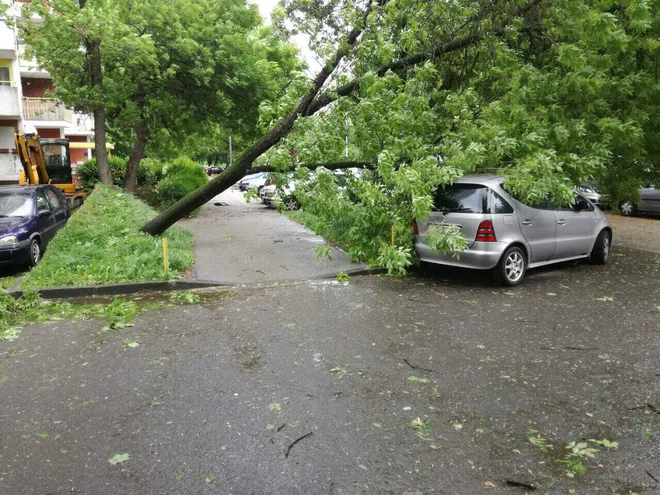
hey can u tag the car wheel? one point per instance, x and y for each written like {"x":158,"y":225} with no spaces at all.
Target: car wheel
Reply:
{"x":35,"y":252}
{"x":601,"y":251}
{"x":511,"y":268}
{"x":627,"y":208}
{"x":290,"y":204}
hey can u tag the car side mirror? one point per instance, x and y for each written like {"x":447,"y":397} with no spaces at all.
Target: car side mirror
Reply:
{"x":44,"y":213}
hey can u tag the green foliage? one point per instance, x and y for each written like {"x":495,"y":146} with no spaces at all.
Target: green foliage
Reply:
{"x":446,"y":240}
{"x":343,"y":277}
{"x":148,"y":173}
{"x":102,"y":244}
{"x":180,"y":177}
{"x":395,"y":259}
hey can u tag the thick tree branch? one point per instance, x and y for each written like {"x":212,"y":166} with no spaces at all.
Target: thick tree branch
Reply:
{"x":314,"y":166}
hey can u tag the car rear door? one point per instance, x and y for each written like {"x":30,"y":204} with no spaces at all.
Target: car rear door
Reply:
{"x":575,"y":230}
{"x":539,"y":227}
{"x":650,"y":200}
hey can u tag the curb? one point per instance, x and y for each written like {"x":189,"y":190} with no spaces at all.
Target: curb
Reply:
{"x":358,"y":271}
{"x":158,"y":285}
{"x":120,"y":289}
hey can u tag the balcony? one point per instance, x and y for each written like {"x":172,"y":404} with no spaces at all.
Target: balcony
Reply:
{"x":7,"y":41}
{"x":9,"y":107}
{"x":46,"y":109}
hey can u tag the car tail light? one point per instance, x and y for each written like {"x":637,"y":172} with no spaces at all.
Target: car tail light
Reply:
{"x":415,"y":227}
{"x":486,"y":232}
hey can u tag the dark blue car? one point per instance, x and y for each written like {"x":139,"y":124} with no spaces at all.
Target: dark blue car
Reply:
{"x":30,"y":216}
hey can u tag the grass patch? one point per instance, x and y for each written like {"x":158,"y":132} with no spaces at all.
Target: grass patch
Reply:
{"x":118,"y":311}
{"x":102,"y":244}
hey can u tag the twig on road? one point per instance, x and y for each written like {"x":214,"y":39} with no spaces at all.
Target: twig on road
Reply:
{"x":417,"y":367}
{"x":280,"y":428}
{"x":288,"y":449}
{"x":520,"y":484}
{"x":654,"y":478}
{"x":581,"y":348}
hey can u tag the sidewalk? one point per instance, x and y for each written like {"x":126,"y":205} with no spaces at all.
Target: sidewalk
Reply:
{"x":250,"y":243}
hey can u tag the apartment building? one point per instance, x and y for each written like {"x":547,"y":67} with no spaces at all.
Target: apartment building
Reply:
{"x":25,"y":103}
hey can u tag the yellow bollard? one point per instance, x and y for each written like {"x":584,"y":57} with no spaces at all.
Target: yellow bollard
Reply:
{"x":166,"y":260}
{"x":392,"y":234}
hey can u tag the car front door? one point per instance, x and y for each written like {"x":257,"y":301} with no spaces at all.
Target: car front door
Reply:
{"x":575,"y":229}
{"x":539,"y":227}
{"x":46,"y":220}
{"x":57,"y":206}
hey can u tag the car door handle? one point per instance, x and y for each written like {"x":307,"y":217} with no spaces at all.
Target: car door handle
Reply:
{"x":561,"y":222}
{"x":526,"y":222}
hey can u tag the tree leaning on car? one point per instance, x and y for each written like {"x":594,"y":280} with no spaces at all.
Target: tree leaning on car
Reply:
{"x":544,"y":92}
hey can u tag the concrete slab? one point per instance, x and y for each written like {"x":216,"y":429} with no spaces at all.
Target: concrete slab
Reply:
{"x":250,"y":243}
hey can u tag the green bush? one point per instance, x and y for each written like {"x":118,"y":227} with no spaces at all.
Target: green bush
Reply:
{"x":103,"y":244}
{"x":180,"y":177}
{"x":88,"y":175}
{"x":150,"y":172}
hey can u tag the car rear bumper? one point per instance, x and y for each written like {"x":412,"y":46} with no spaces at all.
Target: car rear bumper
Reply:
{"x":19,"y":254}
{"x":480,"y":256}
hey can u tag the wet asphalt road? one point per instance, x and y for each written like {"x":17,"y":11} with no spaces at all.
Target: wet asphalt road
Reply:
{"x":243,"y":243}
{"x":216,"y":392}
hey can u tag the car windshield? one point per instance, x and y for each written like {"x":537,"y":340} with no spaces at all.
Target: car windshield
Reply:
{"x":463,"y":198}
{"x":16,"y":204}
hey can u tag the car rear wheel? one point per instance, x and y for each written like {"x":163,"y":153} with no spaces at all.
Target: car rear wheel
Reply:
{"x":601,"y":251}
{"x":627,"y":208}
{"x":511,"y":268}
{"x":35,"y":252}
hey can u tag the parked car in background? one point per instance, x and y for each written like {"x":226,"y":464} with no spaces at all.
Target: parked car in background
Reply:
{"x":508,"y":236}
{"x":213,"y":170}
{"x":649,"y":202}
{"x":590,"y":193}
{"x":285,"y":196}
{"x":255,"y":181}
{"x":30,"y":216}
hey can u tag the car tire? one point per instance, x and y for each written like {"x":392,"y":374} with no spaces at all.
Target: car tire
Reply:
{"x":627,"y":208}
{"x":601,"y":251}
{"x":34,"y":253}
{"x":512,"y":267}
{"x":290,"y":204}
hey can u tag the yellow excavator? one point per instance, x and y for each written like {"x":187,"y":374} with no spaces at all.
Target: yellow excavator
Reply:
{"x":47,"y":161}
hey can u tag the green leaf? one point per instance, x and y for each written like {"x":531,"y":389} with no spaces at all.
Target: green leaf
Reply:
{"x":118,"y":459}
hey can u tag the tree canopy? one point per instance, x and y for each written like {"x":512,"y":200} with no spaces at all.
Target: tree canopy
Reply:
{"x":178,"y":76}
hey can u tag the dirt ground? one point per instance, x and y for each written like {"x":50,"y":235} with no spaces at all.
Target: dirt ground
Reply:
{"x":642,"y":233}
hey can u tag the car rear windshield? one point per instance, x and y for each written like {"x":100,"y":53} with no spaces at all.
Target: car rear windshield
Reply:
{"x":462,"y":198}
{"x":16,"y":204}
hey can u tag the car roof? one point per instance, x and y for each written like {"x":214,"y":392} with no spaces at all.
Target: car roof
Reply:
{"x":18,"y":188}
{"x":482,"y":179}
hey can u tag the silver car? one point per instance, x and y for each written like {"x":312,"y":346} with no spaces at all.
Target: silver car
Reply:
{"x":649,"y":202}
{"x":508,"y":236}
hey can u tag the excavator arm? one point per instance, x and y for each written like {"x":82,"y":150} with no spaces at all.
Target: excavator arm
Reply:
{"x":31,"y":155}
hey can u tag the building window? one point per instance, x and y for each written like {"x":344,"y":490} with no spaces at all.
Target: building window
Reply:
{"x":6,"y":78}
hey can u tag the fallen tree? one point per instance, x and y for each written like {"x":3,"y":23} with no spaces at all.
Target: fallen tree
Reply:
{"x":544,"y":92}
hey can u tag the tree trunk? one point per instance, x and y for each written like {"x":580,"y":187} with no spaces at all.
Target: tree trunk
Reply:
{"x":142,"y":137}
{"x":93,"y":49}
